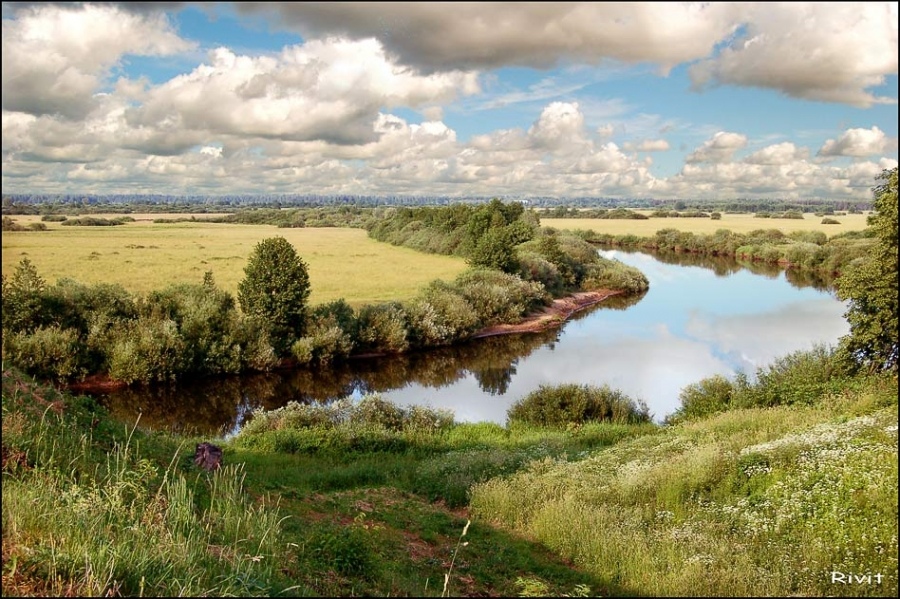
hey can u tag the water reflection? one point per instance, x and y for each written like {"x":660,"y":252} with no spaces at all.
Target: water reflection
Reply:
{"x":222,"y":405}
{"x":701,"y":316}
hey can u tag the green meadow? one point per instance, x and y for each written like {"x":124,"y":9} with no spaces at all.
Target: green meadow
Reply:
{"x":376,"y":500}
{"x":739,"y":223}
{"x":144,"y":256}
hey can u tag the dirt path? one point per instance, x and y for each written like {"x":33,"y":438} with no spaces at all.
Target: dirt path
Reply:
{"x":554,"y":314}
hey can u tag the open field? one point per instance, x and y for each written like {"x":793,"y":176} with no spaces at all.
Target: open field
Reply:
{"x":739,"y":223}
{"x":144,"y":256}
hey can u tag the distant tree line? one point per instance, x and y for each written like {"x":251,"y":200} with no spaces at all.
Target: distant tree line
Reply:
{"x":804,"y":250}
{"x":77,"y":204}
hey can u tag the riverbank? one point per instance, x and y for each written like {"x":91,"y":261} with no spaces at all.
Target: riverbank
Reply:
{"x":560,"y":310}
{"x":555,"y":314}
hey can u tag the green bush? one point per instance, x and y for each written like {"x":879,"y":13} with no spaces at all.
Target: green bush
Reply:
{"x":147,"y":350}
{"x":440,"y":316}
{"x":48,"y":352}
{"x":534,"y":267}
{"x":330,"y":334}
{"x":374,"y":410}
{"x":207,"y":322}
{"x":613,"y":274}
{"x":382,"y":327}
{"x":698,"y":400}
{"x":499,"y":297}
{"x":802,"y":377}
{"x":557,"y":406}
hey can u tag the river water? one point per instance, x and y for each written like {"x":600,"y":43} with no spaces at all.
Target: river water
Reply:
{"x":700,"y":317}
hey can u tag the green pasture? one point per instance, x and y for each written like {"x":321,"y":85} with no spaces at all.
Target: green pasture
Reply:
{"x":739,"y":223}
{"x":144,"y":256}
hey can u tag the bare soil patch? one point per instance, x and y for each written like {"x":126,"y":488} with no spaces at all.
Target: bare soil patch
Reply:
{"x":556,"y":313}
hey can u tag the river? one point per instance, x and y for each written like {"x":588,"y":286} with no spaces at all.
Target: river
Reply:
{"x":700,"y":317}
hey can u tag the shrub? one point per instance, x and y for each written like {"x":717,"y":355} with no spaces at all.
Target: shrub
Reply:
{"x":49,"y":352}
{"x":331,"y":331}
{"x":440,"y":316}
{"x":147,"y":350}
{"x":374,"y":410}
{"x":710,"y":395}
{"x":22,"y":308}
{"x":613,"y":274}
{"x":576,"y":404}
{"x":499,"y":297}
{"x":830,"y":221}
{"x":382,"y":327}
{"x":534,"y":267}
{"x":802,"y":377}
{"x":207,"y":323}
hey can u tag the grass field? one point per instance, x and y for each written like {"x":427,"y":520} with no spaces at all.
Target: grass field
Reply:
{"x":144,"y":256}
{"x":739,"y":223}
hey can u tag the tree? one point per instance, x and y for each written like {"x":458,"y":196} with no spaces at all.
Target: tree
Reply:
{"x":23,"y":298}
{"x":275,"y":290}
{"x":872,"y":287}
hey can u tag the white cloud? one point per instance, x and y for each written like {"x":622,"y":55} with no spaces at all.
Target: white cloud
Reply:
{"x":859,"y":143}
{"x":55,"y":58}
{"x":560,"y":124}
{"x":720,"y":148}
{"x":832,"y":52}
{"x":438,"y":36}
{"x":328,"y":90}
{"x":825,"y":51}
{"x":782,"y":153}
{"x":648,"y":145}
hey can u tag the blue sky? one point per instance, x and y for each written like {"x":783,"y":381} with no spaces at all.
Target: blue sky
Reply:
{"x":666,"y":100}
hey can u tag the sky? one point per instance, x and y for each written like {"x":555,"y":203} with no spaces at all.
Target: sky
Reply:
{"x":511,"y":100}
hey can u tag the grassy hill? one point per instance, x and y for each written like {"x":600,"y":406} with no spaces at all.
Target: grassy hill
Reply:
{"x":789,"y":499}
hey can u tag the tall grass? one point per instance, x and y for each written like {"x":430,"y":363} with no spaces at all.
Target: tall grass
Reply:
{"x":749,"y":502}
{"x":100,"y":516}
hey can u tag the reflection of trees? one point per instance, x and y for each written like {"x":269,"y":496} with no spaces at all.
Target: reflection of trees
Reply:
{"x":724,"y":266}
{"x":214,"y":406}
{"x":616,"y":302}
{"x":806,"y":278}
{"x":495,"y":380}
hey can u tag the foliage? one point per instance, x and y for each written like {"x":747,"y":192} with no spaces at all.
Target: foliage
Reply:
{"x":275,"y":289}
{"x":576,"y":404}
{"x":382,"y":327}
{"x":498,"y":297}
{"x":331,"y":334}
{"x":21,"y":297}
{"x":440,"y":316}
{"x":147,"y":350}
{"x":871,"y":287}
{"x":48,"y":352}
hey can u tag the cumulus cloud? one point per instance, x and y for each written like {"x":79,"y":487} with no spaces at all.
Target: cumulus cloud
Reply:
{"x":783,"y":153}
{"x":560,"y":124}
{"x":329,"y":90}
{"x":859,"y":143}
{"x":441,"y":36}
{"x":55,"y":58}
{"x":831,"y":52}
{"x":720,"y":148}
